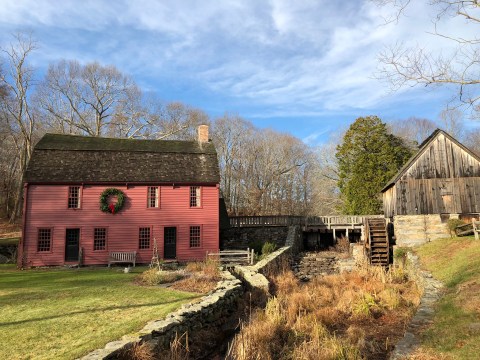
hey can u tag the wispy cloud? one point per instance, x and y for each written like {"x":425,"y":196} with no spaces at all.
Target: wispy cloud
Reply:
{"x":277,"y":57}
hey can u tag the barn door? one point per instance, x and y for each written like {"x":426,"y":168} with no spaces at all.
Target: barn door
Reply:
{"x":446,"y":191}
{"x":170,"y":243}
{"x":72,"y":241}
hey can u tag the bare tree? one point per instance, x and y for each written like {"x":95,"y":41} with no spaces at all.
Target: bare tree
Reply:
{"x":175,"y":120}
{"x":451,"y":120}
{"x":408,"y":66}
{"x":86,"y":98}
{"x":17,"y":115}
{"x":326,"y":195}
{"x":412,"y":130}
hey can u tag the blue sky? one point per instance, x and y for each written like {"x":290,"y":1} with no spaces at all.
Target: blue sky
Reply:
{"x":304,"y":67}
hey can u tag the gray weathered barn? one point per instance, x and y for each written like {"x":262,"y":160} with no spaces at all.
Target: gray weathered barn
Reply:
{"x":442,"y":178}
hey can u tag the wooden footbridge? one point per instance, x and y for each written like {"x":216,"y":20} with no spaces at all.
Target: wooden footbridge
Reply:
{"x":372,"y":228}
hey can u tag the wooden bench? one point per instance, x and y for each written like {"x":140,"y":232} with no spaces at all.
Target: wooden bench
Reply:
{"x":236,"y":257}
{"x":122,"y":257}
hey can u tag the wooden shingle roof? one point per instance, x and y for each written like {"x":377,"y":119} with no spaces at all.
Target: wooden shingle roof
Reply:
{"x":80,"y":159}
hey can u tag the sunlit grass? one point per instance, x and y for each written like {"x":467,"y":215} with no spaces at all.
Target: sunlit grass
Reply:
{"x":63,"y":314}
{"x":455,"y":332}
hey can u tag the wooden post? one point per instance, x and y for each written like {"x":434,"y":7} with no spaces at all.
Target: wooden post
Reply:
{"x":334,"y":235}
{"x":252,"y":257}
{"x":347,"y":234}
{"x":475,"y":231}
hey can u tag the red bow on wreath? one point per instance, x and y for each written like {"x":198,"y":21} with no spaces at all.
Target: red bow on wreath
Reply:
{"x":112,"y":208}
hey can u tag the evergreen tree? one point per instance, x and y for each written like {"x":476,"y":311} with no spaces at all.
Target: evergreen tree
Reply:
{"x":368,"y":157}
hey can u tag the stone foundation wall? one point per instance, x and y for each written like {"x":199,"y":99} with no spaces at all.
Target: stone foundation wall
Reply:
{"x":412,"y":230}
{"x":244,"y":237}
{"x":211,"y":312}
{"x":255,"y":276}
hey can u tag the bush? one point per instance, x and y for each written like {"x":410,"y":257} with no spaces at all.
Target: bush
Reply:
{"x":400,"y":253}
{"x":452,"y":225}
{"x":268,"y":248}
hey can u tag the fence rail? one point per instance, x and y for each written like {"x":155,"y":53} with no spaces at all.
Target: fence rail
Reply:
{"x":233,"y":256}
{"x":286,"y":220}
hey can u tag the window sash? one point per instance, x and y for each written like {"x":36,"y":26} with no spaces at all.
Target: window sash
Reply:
{"x":74,"y":197}
{"x":99,"y":239}
{"x":195,"y":196}
{"x":153,"y":197}
{"x":44,"y":240}
{"x":195,"y":236}
{"x":144,"y":238}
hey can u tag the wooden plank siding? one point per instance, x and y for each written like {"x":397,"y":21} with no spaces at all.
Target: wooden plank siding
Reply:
{"x":47,"y":208}
{"x":444,"y":177}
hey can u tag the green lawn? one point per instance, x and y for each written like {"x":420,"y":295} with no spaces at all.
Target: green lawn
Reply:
{"x":65,"y":313}
{"x":10,"y":241}
{"x":455,"y":331}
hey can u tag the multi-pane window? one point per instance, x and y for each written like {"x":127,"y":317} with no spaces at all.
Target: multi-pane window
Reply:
{"x":144,"y":238}
{"x":74,"y":197}
{"x":194,"y":236}
{"x":99,"y":239}
{"x":153,"y":197}
{"x":44,"y":240}
{"x":195,"y":196}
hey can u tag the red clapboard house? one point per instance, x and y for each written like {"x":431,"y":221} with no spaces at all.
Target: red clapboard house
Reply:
{"x":86,"y":197}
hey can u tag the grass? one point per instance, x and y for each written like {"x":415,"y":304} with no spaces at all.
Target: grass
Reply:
{"x":455,"y":332}
{"x":65,"y":313}
{"x":357,"y":315}
{"x":10,"y":241}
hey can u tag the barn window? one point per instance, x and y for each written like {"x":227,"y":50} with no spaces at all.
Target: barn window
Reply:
{"x":195,"y":195}
{"x":99,"y":239}
{"x":74,"y":197}
{"x":195,"y":236}
{"x":44,"y":240}
{"x":144,"y":238}
{"x":153,"y":197}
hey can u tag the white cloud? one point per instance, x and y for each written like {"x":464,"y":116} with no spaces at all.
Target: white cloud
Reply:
{"x":304,"y":57}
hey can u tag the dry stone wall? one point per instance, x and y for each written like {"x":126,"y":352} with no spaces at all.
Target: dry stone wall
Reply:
{"x":412,"y":230}
{"x":256,"y":275}
{"x":211,"y":312}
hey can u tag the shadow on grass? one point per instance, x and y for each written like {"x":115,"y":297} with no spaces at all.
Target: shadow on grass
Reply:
{"x":108,"y":308}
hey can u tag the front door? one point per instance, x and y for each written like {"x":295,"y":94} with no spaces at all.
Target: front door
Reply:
{"x":170,"y":243}
{"x":72,"y":241}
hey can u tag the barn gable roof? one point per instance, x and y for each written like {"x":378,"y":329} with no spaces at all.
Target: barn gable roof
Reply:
{"x":422,"y":148}
{"x":80,"y":159}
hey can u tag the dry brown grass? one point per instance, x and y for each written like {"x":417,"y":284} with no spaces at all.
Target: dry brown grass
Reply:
{"x":137,"y":352}
{"x":152,"y":277}
{"x":8,"y":231}
{"x":348,"y":316}
{"x":202,"y":277}
{"x":197,"y":277}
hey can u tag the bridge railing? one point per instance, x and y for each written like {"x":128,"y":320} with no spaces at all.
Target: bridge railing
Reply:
{"x":286,"y":220}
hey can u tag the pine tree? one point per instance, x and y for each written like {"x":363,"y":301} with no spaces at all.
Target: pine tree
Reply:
{"x":368,"y":157}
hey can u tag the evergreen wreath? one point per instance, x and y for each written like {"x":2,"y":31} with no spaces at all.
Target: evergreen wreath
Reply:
{"x":112,"y":208}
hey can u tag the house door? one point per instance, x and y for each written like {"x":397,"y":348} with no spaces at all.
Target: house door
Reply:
{"x":170,"y":243}
{"x":72,"y":241}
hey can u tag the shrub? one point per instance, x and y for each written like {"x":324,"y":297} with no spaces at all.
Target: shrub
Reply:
{"x":268,"y":248}
{"x":452,"y":225}
{"x":343,"y":244}
{"x":400,"y":253}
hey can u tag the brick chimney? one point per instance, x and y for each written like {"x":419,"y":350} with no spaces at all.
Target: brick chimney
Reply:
{"x":203,"y":133}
